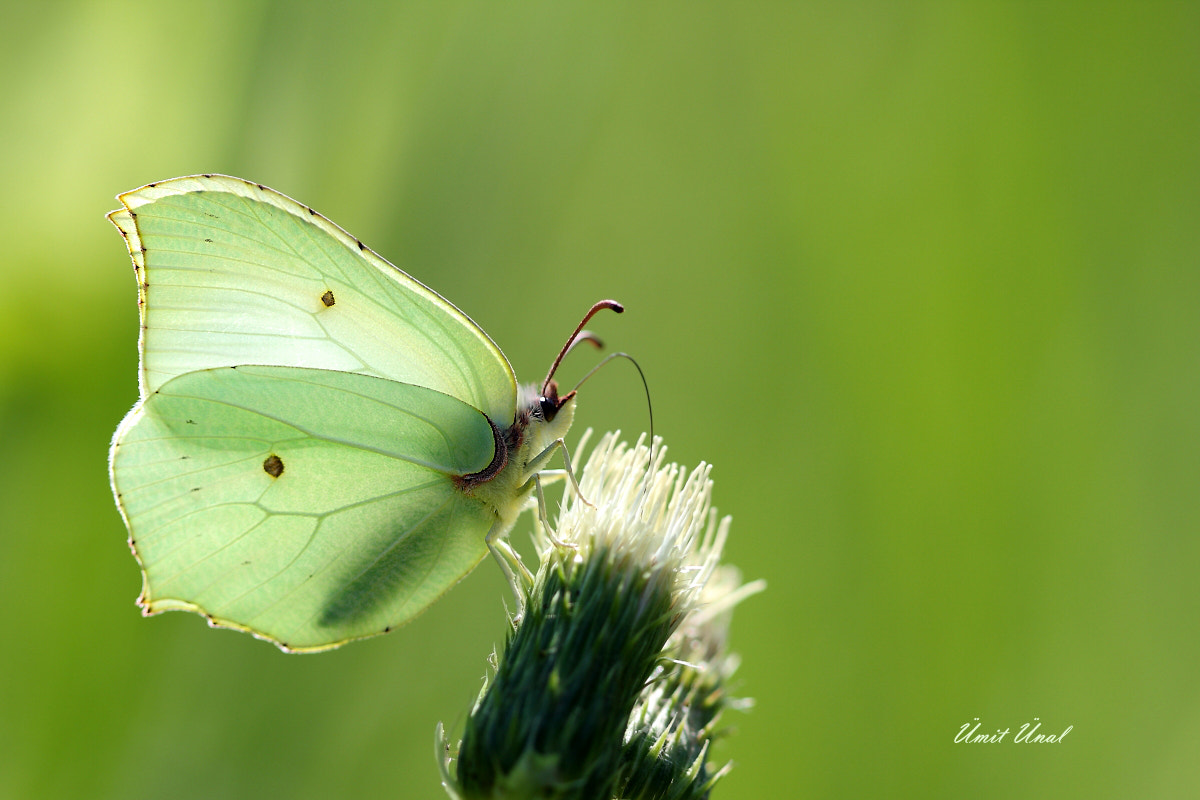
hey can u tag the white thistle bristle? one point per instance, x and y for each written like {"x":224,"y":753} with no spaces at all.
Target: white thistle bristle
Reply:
{"x":657,"y":516}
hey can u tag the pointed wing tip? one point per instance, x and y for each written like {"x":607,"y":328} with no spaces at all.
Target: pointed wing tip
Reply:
{"x":156,"y":190}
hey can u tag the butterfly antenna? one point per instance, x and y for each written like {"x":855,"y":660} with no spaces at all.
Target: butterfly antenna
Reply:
{"x":585,"y":336}
{"x":578,"y":334}
{"x":645,"y":386}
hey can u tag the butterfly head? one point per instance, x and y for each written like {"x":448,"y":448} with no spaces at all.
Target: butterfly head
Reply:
{"x":549,"y":403}
{"x":547,"y":415}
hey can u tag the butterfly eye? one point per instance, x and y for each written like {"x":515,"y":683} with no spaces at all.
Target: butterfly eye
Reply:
{"x":549,"y":403}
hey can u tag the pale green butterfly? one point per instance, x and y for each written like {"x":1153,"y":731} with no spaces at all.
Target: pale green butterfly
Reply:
{"x":322,"y":446}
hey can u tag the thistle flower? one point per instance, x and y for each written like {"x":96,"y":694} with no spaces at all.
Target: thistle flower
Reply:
{"x":613,"y":680}
{"x":674,"y":721}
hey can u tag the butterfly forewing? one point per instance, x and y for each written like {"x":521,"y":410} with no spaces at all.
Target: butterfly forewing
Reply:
{"x":234,"y":273}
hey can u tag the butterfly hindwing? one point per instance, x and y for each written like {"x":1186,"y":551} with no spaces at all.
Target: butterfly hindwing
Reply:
{"x":307,"y":506}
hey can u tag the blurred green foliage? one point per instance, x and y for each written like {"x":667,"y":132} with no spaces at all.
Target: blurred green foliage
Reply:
{"x":921,"y":280}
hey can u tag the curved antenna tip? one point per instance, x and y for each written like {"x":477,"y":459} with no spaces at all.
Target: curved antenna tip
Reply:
{"x":611,"y":305}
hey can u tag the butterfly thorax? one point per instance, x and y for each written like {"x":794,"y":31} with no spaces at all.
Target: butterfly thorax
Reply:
{"x":540,"y":420}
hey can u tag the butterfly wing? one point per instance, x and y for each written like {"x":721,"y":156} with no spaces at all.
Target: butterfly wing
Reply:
{"x":231,"y":272}
{"x":308,"y":507}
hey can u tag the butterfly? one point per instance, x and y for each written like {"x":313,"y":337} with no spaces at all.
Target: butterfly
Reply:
{"x":322,"y":446}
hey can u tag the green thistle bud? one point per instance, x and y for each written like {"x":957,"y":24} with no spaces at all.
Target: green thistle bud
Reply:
{"x":674,"y":722}
{"x":592,"y":697}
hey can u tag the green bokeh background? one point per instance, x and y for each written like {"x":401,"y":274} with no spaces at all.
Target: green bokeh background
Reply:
{"x":921,"y":280}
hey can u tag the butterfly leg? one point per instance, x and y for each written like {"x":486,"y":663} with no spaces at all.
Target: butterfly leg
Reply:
{"x":533,"y":465}
{"x":544,"y":518}
{"x":569,"y":472}
{"x":519,"y":578}
{"x":550,"y":476}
